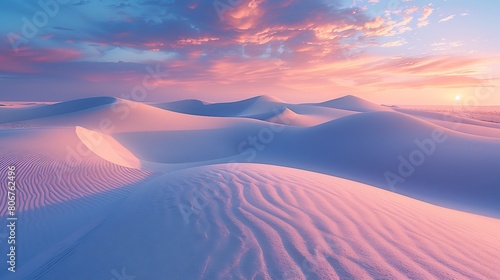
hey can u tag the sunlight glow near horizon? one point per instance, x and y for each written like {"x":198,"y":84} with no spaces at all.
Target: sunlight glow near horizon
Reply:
{"x":392,"y":52}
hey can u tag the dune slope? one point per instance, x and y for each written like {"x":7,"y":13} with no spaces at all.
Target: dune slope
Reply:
{"x":263,"y":222}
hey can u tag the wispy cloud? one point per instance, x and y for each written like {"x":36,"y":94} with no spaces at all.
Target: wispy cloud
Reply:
{"x":450,"y":17}
{"x":411,"y":10}
{"x":396,"y":43}
{"x":446,"y":46}
{"x":423,"y":20}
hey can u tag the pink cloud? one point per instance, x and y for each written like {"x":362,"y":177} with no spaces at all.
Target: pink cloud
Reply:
{"x":54,"y":55}
{"x":411,"y":10}
{"x":423,"y":20}
{"x":26,"y":60}
{"x":396,"y":43}
{"x":435,"y":82}
{"x":355,"y":74}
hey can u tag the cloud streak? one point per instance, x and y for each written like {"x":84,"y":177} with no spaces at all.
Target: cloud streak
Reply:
{"x":450,"y":17}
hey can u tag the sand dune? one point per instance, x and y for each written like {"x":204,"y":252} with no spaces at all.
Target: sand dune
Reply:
{"x":353,"y":103}
{"x":62,"y":188}
{"x":251,"y":106}
{"x":287,"y":116}
{"x":56,"y":201}
{"x":143,"y":188}
{"x":114,"y":115}
{"x":42,"y":111}
{"x":260,"y":108}
{"x":364,"y":147}
{"x":361,"y":147}
{"x":51,"y":173}
{"x":457,"y":121}
{"x":264,"y":222}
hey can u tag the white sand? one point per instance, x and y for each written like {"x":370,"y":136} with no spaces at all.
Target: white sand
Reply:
{"x":108,"y":186}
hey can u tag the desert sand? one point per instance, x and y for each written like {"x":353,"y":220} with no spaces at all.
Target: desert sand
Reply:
{"x":253,"y":189}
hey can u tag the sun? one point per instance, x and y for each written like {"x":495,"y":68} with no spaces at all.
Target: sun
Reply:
{"x":458,"y":97}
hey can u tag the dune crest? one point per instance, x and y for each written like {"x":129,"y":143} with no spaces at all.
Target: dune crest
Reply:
{"x":353,"y":103}
{"x":107,"y":148}
{"x":57,"y":109}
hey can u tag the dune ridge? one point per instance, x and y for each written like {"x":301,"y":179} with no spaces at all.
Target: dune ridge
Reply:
{"x":62,"y":108}
{"x":243,"y":108}
{"x":353,"y":103}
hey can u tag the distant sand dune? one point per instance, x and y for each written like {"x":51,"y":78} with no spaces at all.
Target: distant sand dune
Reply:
{"x":353,"y":103}
{"x":42,"y":111}
{"x":251,"y":106}
{"x":112,"y":115}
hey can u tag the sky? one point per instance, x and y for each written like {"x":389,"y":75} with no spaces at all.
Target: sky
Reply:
{"x":436,"y":52}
